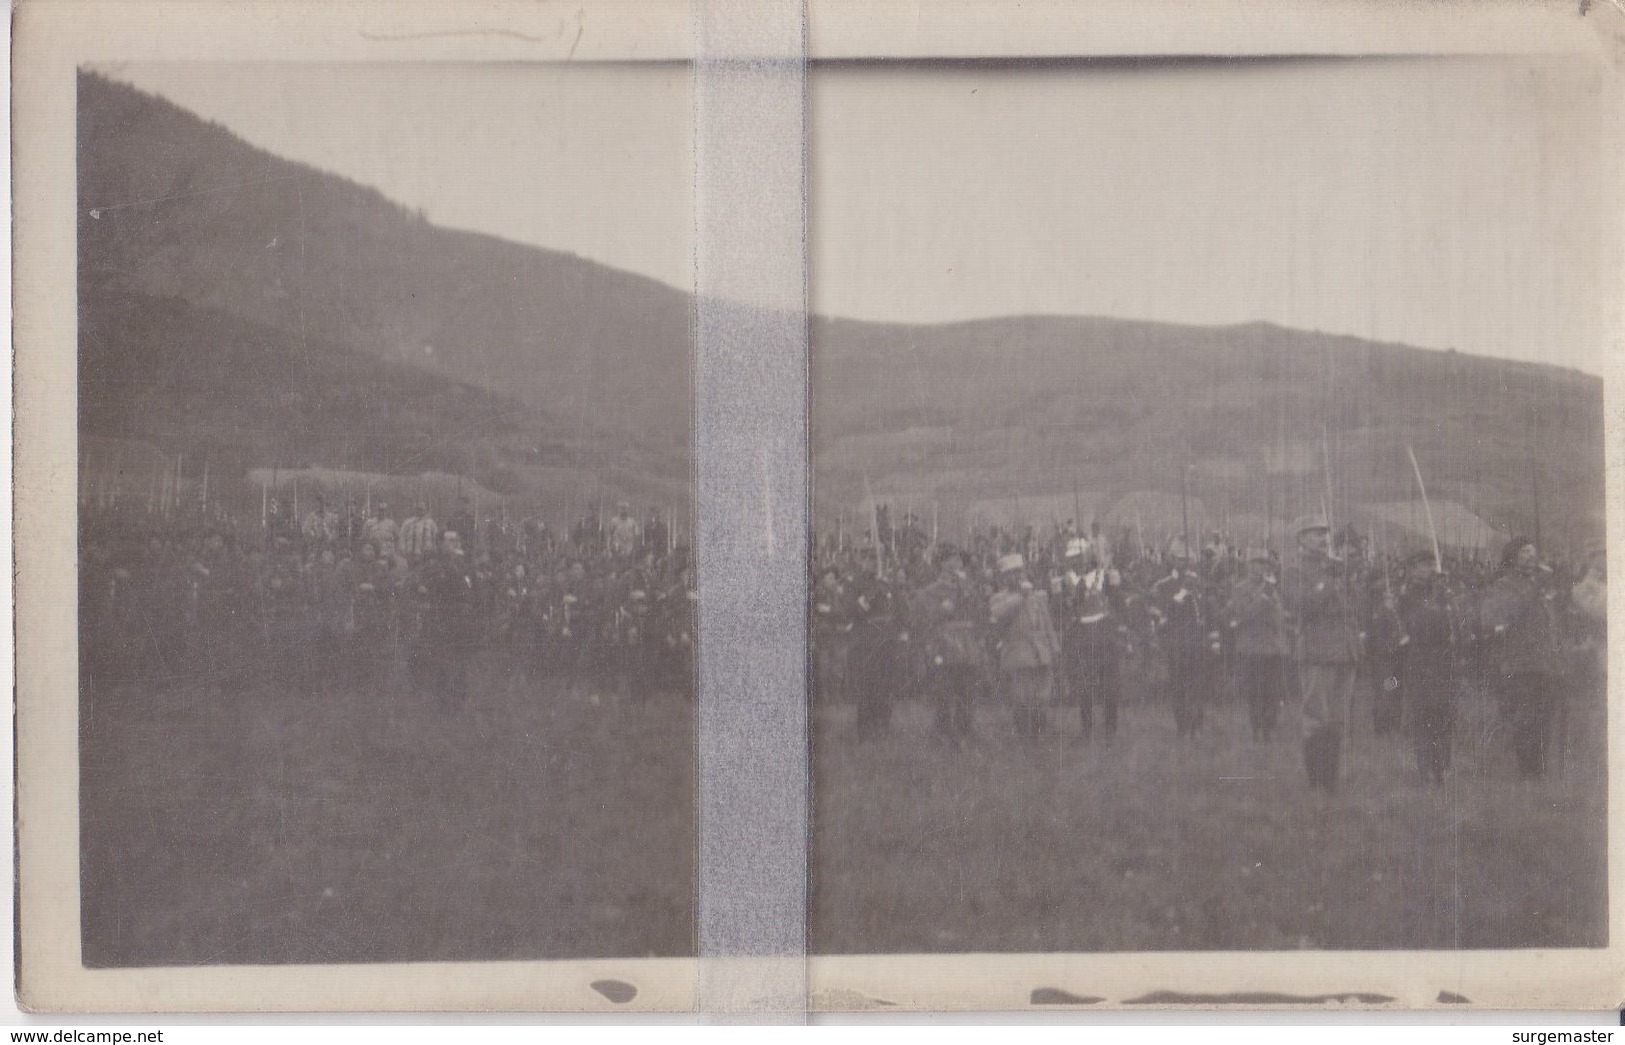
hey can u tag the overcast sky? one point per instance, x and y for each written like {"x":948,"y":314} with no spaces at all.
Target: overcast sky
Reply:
{"x":1460,"y":203}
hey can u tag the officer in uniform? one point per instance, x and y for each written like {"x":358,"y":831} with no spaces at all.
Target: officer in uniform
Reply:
{"x":1180,"y":610}
{"x":947,"y":613}
{"x":1315,"y":594}
{"x":1027,"y":645}
{"x":1092,"y":637}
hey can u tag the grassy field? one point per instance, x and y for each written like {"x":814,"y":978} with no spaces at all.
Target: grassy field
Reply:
{"x":1154,"y":844}
{"x":270,"y":826}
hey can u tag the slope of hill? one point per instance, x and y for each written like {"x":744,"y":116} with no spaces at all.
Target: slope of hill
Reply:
{"x":269,"y":268}
{"x":175,"y":207}
{"x":198,"y":380}
{"x":1028,"y":406}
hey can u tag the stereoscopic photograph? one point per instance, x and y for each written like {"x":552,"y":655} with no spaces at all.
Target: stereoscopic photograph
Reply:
{"x":1209,"y":511}
{"x":1200,"y":498}
{"x":385,"y":595}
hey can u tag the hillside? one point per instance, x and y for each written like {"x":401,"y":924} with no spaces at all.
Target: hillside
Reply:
{"x":1024,"y":408}
{"x":237,"y":302}
{"x":174,"y":207}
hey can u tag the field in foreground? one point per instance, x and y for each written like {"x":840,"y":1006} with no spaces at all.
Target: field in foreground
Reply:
{"x":270,"y":826}
{"x":1212,"y":844}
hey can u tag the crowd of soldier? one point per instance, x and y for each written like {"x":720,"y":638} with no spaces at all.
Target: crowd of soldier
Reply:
{"x":1047,"y":625}
{"x":414,"y":602}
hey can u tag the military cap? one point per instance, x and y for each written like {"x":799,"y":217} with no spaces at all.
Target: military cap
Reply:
{"x":1307,"y":523}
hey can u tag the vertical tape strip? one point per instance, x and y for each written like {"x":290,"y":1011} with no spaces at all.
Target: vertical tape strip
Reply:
{"x":751,"y":486}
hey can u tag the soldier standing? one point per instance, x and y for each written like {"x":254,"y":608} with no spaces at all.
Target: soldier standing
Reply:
{"x":1027,"y":644}
{"x":1092,"y":638}
{"x":946,"y":613}
{"x":1183,"y":627}
{"x":1262,"y":643}
{"x":418,"y":534}
{"x":876,"y":655}
{"x":445,"y":641}
{"x":1521,"y":615}
{"x":1314,"y":593}
{"x":656,"y":535}
{"x":1427,"y":650}
{"x":831,"y":627}
{"x":1383,"y":633}
{"x":623,"y":532}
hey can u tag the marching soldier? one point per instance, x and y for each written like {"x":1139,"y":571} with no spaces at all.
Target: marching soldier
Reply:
{"x":1314,"y":592}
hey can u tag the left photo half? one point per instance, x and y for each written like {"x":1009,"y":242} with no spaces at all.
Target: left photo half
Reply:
{"x":384,"y":512}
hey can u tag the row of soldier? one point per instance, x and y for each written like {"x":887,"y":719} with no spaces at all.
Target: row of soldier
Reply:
{"x":315,"y":609}
{"x":1077,"y":628}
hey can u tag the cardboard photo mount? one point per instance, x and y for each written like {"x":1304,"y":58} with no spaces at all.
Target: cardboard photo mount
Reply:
{"x":751,"y":62}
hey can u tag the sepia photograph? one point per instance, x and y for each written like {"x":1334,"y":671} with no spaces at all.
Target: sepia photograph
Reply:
{"x":1209,"y":544}
{"x":847,"y":508}
{"x":385,"y":594}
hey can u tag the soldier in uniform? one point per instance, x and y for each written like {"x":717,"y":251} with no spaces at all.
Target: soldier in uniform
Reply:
{"x":1427,"y":651}
{"x":656,"y":534}
{"x":831,"y":627}
{"x":876,"y":660}
{"x":1180,"y":609}
{"x":1314,"y":592}
{"x":372,"y":649}
{"x":1520,"y":613}
{"x":1092,"y":637}
{"x":321,"y":524}
{"x":381,"y":528}
{"x":1262,"y":643}
{"x":947,"y":614}
{"x":444,"y":643}
{"x":1383,"y":633}
{"x":1027,"y":645}
{"x":623,"y":532}
{"x":419,"y":534}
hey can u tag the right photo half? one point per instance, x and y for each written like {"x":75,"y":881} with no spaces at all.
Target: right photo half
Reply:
{"x":1209,"y":533}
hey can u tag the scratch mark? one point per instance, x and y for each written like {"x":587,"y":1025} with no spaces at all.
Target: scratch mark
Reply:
{"x":99,"y":211}
{"x":581,"y":27}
